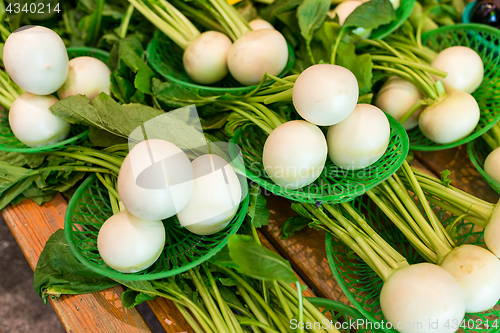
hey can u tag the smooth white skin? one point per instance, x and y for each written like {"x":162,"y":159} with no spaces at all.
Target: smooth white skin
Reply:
{"x":325,"y":94}
{"x":451,"y":119}
{"x":205,"y":59}
{"x":492,"y":165}
{"x":464,"y":66}
{"x":259,"y":24}
{"x":359,"y":140}
{"x":168,"y":198}
{"x":396,"y":96}
{"x":343,"y":10}
{"x":87,"y":76}
{"x":129,"y":244}
{"x":257,"y":53}
{"x":477,"y":271}
{"x":34,"y":124}
{"x":492,"y":232}
{"x":36,"y":59}
{"x":422,"y":293}
{"x":295,"y":154}
{"x":214,"y":201}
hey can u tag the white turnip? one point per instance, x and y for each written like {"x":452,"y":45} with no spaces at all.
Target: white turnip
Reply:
{"x":359,"y":140}
{"x":294,"y":154}
{"x":325,"y":94}
{"x":34,"y":124}
{"x":36,"y":59}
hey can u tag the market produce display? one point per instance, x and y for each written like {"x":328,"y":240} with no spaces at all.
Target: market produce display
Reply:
{"x":166,"y":124}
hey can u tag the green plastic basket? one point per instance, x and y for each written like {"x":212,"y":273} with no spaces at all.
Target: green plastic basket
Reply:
{"x":77,"y":134}
{"x":402,"y":13}
{"x":362,"y":285}
{"x":166,"y":58}
{"x":484,"y":40}
{"x":478,"y":150}
{"x":342,"y":314}
{"x":90,"y":207}
{"x":334,"y":184}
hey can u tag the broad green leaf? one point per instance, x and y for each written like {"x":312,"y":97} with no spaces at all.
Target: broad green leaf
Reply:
{"x":58,"y":272}
{"x":258,"y":262}
{"x":299,"y":209}
{"x":311,"y":14}
{"x":132,"y":298}
{"x":371,"y":15}
{"x":294,"y":224}
{"x":360,"y":65}
{"x":257,"y":209}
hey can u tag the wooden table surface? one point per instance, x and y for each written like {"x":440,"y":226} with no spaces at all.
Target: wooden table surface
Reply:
{"x":103,"y":311}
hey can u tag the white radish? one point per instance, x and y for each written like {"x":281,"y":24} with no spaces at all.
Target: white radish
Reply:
{"x":215,"y":198}
{"x":343,"y":10}
{"x":87,"y":76}
{"x":257,"y":53}
{"x":205,"y":59}
{"x":36,"y":59}
{"x":492,"y":232}
{"x":294,"y":154}
{"x":325,"y":94}
{"x":258,"y":24}
{"x":450,"y":119}
{"x":464,"y":66}
{"x":422,"y":298}
{"x":396,"y":96}
{"x":476,"y":271}
{"x":155,"y":180}
{"x":34,"y":124}
{"x":129,"y":244}
{"x":492,"y":165}
{"x":359,"y":140}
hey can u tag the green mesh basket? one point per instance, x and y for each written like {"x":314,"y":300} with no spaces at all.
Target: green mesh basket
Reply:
{"x":341,"y":314}
{"x":485,"y":41}
{"x":402,"y":13}
{"x":166,"y":58}
{"x":90,"y":207}
{"x":478,"y":150}
{"x":334,"y":184}
{"x":362,"y":285}
{"x":78,"y":133}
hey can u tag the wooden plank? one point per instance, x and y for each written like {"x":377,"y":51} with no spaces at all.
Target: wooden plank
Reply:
{"x":97,"y":312}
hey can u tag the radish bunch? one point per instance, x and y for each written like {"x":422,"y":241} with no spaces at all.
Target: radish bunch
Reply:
{"x":37,"y":61}
{"x":157,"y":181}
{"x":357,"y":135}
{"x":246,"y":51}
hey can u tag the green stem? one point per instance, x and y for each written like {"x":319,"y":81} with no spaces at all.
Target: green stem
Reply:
{"x":89,"y":159}
{"x":301,"y":305}
{"x":397,"y":72}
{"x":96,"y":153}
{"x":280,"y":97}
{"x":122,"y":33}
{"x":190,"y":320}
{"x":253,"y":307}
{"x":411,"y":64}
{"x":282,"y":300}
{"x":372,"y":234}
{"x":209,"y":302}
{"x":263,"y":125}
{"x":336,"y":45}
{"x":220,"y":301}
{"x":254,"y":294}
{"x":415,"y":106}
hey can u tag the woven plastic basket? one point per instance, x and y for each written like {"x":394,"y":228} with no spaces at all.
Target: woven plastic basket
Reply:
{"x":335,"y":184}
{"x":402,"y":13}
{"x":478,"y":150}
{"x":90,"y":207}
{"x":362,"y":286}
{"x":78,"y":133}
{"x":485,"y":41}
{"x":166,"y":58}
